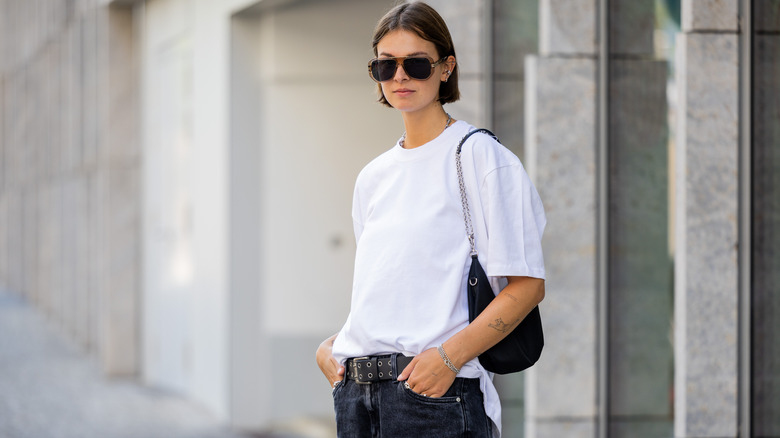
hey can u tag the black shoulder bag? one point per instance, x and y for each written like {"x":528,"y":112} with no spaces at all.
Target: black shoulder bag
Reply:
{"x":522,"y":347}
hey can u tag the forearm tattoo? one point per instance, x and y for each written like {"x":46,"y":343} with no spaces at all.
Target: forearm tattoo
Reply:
{"x":500,"y":326}
{"x":512,"y":297}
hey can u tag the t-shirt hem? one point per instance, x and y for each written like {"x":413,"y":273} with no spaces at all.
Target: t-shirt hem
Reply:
{"x":511,"y":271}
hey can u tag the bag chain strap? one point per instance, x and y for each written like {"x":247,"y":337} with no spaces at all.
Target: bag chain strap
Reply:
{"x":463,"y":199}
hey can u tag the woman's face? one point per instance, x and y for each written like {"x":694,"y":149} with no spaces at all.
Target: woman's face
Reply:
{"x":404,"y":93}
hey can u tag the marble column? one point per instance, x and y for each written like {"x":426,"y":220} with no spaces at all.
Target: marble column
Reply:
{"x":561,"y":389}
{"x":560,"y":132}
{"x":706,"y":270}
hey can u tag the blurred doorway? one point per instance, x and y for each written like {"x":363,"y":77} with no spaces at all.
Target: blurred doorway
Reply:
{"x":304,"y":121}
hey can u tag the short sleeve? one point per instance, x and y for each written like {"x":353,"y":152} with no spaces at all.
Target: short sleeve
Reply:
{"x":515,"y":220}
{"x":357,"y":215}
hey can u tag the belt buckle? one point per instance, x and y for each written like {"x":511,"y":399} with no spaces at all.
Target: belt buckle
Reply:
{"x":370,"y":374}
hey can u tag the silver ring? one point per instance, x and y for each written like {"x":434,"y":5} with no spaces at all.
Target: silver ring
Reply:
{"x":406,"y":385}
{"x":425,"y":395}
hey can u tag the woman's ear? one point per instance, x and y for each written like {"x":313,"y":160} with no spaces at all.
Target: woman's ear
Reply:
{"x":449,"y":67}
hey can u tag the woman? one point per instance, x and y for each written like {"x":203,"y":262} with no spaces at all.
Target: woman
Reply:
{"x":409,"y":351}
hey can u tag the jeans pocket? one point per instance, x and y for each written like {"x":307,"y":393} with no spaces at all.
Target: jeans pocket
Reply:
{"x":452,"y":396}
{"x":337,"y":387}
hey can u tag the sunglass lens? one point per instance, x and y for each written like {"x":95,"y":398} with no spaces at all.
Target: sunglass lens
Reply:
{"x":383,"y":69}
{"x":418,"y":68}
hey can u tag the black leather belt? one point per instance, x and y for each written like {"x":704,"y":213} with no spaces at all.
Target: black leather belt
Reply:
{"x":369,"y":369}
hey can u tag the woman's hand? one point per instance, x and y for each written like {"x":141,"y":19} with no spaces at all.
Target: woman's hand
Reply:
{"x":332,"y":370}
{"x":427,"y":374}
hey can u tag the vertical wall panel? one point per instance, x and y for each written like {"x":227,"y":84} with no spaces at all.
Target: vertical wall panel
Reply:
{"x":119,"y":196}
{"x":706,"y":259}
{"x":51,"y":143}
{"x":561,"y":126}
{"x":766,"y":218}
{"x":640,"y":267}
{"x":640,"y":299}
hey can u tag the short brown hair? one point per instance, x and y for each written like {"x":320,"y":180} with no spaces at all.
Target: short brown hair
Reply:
{"x":425,"y":22}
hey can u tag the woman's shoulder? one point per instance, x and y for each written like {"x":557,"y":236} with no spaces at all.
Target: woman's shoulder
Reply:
{"x":375,"y":166}
{"x":487,"y":152}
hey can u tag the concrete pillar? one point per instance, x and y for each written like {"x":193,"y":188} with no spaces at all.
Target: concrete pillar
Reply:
{"x":568,"y":27}
{"x":561,"y":156}
{"x":710,"y":15}
{"x":464,"y":19}
{"x":120,"y":194}
{"x":706,"y":270}
{"x":561,"y":126}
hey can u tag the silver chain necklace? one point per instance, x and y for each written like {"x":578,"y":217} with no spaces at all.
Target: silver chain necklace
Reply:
{"x":446,"y":125}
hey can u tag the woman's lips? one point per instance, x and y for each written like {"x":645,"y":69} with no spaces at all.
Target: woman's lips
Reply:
{"x":403,"y":92}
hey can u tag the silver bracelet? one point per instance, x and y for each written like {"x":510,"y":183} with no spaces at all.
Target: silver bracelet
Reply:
{"x":446,"y":359}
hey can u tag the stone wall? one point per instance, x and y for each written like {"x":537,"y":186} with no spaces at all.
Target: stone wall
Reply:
{"x":69,"y":198}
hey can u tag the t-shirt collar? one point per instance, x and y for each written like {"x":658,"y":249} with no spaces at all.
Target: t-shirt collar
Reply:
{"x":448,"y":137}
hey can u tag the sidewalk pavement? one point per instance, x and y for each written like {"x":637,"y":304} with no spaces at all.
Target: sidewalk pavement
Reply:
{"x":50,"y":388}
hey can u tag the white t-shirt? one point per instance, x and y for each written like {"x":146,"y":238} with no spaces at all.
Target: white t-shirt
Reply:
{"x":412,"y":260}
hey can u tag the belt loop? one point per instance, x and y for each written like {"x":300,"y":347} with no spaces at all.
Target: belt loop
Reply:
{"x":394,"y":362}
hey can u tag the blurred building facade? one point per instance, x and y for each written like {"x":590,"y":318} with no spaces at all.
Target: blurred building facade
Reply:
{"x":176,"y":179}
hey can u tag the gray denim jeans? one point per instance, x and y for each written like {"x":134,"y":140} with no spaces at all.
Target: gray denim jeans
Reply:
{"x":387,"y":409}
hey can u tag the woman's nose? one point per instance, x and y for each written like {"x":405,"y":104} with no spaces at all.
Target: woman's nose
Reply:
{"x":400,"y":73}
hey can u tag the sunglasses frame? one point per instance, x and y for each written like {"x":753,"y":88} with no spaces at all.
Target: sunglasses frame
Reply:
{"x":399,"y":62}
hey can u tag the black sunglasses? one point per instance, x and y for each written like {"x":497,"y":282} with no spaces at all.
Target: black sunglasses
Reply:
{"x":416,"y":67}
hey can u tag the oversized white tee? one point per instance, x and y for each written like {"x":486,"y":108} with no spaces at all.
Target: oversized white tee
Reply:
{"x":413,"y":257}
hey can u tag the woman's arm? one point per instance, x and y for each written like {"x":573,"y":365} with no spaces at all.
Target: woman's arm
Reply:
{"x":503,"y":314}
{"x":332,"y":370}
{"x":428,"y":374}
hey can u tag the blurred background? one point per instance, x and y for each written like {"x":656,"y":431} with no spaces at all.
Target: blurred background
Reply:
{"x":176,"y":179}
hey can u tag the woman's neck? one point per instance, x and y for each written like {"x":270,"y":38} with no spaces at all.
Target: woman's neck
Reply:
{"x":423,"y":126}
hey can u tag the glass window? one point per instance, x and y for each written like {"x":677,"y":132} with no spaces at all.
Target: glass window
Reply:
{"x":766,"y":218}
{"x":641,"y":296}
{"x":515,"y":35}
